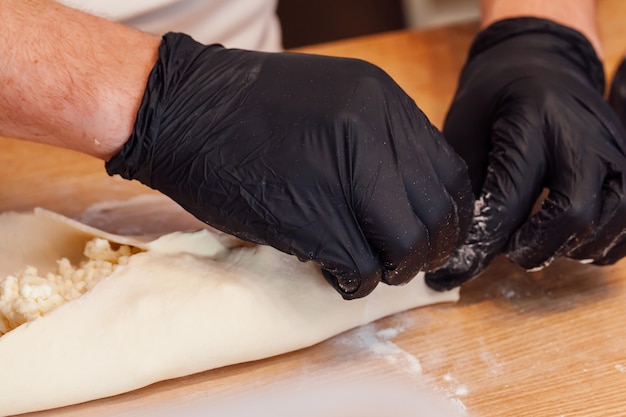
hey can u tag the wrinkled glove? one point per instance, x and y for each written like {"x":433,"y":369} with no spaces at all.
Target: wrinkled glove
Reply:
{"x":323,"y":158}
{"x":529,"y":114}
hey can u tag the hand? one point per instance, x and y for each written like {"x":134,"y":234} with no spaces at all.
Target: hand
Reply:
{"x":529,"y":115}
{"x":324,"y":158}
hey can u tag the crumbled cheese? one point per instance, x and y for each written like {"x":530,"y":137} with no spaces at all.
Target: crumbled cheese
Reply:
{"x":25,"y":296}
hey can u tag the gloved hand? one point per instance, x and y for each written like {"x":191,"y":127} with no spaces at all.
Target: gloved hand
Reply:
{"x":324,"y":158}
{"x":529,"y":114}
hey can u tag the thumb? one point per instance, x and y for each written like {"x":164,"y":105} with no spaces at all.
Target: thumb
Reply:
{"x":484,"y":242}
{"x":510,"y":189}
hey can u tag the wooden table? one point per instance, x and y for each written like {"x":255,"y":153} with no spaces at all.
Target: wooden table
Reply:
{"x":548,"y":343}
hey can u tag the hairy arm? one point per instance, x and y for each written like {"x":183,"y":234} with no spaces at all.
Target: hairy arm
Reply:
{"x":68,"y":78}
{"x":577,"y":14}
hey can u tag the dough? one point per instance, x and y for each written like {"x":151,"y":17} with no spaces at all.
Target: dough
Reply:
{"x":191,"y":302}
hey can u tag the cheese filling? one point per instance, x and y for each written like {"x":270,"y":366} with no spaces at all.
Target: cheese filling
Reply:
{"x":26,"y":295}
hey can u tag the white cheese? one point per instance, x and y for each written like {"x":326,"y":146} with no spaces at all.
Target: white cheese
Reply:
{"x":28,"y":295}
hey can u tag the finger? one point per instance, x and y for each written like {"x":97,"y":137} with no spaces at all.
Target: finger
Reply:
{"x":333,"y":239}
{"x":452,"y":173}
{"x":565,"y":220}
{"x":617,"y":251}
{"x":484,"y":242}
{"x":406,"y":214}
{"x":495,"y":214}
{"x":434,"y":202}
{"x":610,"y":225}
{"x":436,"y":183}
{"x":352,"y":270}
{"x":401,"y":241}
{"x":398,"y":237}
{"x":350,"y":286}
{"x":469,"y":134}
{"x":422,"y":234}
{"x":578,"y":202}
{"x":511,"y":187}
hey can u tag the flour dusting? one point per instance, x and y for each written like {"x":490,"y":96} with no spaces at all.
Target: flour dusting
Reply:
{"x":379,"y":343}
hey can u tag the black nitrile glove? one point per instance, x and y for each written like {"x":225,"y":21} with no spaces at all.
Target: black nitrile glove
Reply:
{"x":529,"y":114}
{"x":324,"y":158}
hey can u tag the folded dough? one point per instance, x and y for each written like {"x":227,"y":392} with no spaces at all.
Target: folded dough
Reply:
{"x":191,"y":302}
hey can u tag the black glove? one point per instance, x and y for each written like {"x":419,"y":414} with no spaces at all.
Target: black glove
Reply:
{"x":529,"y":114}
{"x":324,"y":158}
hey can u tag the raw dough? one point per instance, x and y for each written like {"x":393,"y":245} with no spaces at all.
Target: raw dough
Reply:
{"x":191,"y":302}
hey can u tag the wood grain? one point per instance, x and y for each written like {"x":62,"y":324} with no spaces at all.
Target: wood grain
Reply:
{"x":549,"y":343}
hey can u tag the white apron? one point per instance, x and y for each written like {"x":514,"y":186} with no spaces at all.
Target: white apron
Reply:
{"x":246,"y":24}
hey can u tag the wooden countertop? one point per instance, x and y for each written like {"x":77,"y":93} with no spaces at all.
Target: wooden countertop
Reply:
{"x":548,"y":343}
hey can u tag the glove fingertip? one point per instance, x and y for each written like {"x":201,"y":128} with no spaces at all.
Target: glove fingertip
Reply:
{"x":443,"y":280}
{"x":523,"y":254}
{"x":351,"y":287}
{"x":466,"y":263}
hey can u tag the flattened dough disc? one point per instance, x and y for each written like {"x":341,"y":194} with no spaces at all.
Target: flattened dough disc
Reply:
{"x":169,"y":313}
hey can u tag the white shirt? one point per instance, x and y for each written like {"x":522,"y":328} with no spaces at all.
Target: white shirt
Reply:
{"x":245,"y":24}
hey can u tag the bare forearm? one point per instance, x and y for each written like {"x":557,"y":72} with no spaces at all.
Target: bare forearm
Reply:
{"x":68,"y":78}
{"x":577,"y":14}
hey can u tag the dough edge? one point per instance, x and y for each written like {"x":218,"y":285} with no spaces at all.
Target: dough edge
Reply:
{"x":140,"y":326}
